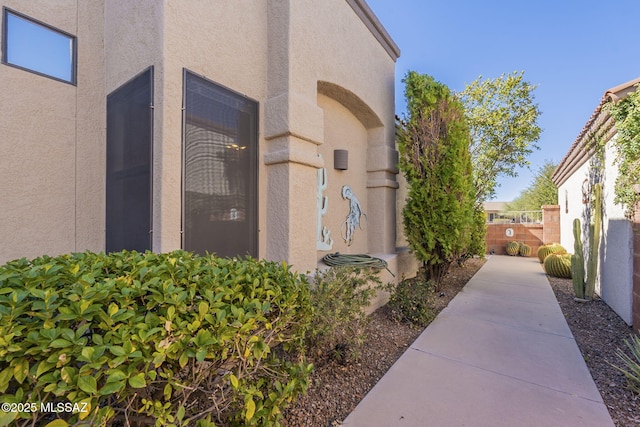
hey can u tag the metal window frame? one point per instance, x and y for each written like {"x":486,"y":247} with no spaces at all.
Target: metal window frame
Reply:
{"x":74,"y":46}
{"x":256,"y":181}
{"x":151,"y":72}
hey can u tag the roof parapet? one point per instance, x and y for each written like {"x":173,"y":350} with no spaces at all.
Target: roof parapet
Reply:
{"x":362,"y":9}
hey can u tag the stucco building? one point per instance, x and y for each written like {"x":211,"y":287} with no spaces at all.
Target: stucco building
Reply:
{"x":202,"y":125}
{"x":580,"y":169}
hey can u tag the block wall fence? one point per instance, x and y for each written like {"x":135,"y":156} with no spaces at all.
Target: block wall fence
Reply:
{"x":534,"y":235}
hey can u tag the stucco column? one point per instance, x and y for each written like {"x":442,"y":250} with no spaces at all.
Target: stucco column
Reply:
{"x":382,"y":161}
{"x":293,"y":128}
{"x":382,"y":186}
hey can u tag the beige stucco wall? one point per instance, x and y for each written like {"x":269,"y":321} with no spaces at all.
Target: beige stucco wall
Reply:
{"x":133,"y":42}
{"x":277,"y":53}
{"x":224,"y":42}
{"x":90,"y":128}
{"x":330,"y":52}
{"x":51,"y":133}
{"x":343,"y":131}
{"x":322,"y":80}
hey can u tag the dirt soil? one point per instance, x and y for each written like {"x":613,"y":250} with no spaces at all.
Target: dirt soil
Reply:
{"x":599,"y":332}
{"x":335,"y":389}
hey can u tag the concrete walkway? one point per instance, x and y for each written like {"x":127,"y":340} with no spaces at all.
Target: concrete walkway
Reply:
{"x":501,"y":354}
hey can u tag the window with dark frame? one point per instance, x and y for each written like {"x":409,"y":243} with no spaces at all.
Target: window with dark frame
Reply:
{"x":129,"y":165}
{"x":220,"y":170}
{"x":37,"y":47}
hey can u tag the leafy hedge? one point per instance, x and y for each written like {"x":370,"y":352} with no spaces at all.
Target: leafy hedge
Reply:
{"x":170,"y":339}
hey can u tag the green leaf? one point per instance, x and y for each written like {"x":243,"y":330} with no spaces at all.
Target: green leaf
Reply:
{"x":57,"y":423}
{"x":113,"y":309}
{"x":7,"y":417}
{"x":116,"y":375}
{"x":112,"y":387}
{"x":21,"y":370}
{"x":87,"y":408}
{"x":138,"y":381}
{"x":5,"y":377}
{"x":250,"y":406}
{"x":88,"y":353}
{"x":117,"y":350}
{"x":203,"y":308}
{"x":180,"y":414}
{"x":60,"y":343}
{"x":88,"y":384}
{"x":234,"y":381}
{"x":184,"y":359}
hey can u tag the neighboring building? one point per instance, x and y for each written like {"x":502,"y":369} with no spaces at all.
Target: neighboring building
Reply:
{"x":575,"y":176}
{"x":492,"y":210}
{"x":202,"y":125}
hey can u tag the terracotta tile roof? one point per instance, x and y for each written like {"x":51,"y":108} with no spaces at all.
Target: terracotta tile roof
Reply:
{"x":580,"y":152}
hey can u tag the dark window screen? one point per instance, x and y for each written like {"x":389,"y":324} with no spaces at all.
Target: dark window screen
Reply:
{"x":220,"y":170}
{"x":129,"y":142}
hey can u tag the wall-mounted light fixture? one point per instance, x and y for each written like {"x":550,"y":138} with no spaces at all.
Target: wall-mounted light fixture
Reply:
{"x":341,"y":159}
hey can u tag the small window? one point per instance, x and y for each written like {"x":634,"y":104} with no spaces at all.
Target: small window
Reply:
{"x":37,"y":47}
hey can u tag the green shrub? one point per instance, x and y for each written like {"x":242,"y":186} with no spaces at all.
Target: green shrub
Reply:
{"x":170,"y":339}
{"x":632,"y":363}
{"x":411,"y":301}
{"x":340,"y":296}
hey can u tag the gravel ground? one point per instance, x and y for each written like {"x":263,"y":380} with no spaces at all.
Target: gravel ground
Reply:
{"x":335,"y":390}
{"x":599,"y":331}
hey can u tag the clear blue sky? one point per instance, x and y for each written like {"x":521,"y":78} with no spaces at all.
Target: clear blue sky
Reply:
{"x":574,"y":50}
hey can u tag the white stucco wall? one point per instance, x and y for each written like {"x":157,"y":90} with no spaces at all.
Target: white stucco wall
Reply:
{"x":615,"y":268}
{"x":616,"y":247}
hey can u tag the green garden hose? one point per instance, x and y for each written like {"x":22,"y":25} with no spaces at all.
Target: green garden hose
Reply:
{"x":357,"y":260}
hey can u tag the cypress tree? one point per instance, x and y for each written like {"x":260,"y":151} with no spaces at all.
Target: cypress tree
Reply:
{"x":433,"y":141}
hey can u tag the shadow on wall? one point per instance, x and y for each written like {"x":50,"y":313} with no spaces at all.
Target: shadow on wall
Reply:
{"x":498,"y":235}
{"x":616,"y":267}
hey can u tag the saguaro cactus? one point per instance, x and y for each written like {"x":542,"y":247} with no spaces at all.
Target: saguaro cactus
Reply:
{"x":594,"y":242}
{"x":577,"y":261}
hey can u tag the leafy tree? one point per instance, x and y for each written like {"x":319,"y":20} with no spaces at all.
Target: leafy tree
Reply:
{"x":541,"y":191}
{"x":502,"y":118}
{"x":433,"y":141}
